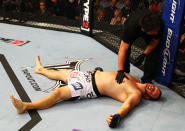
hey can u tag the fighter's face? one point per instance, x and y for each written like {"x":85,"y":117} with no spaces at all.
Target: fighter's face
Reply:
{"x":152,"y":91}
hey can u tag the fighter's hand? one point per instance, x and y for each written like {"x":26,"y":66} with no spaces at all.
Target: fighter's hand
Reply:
{"x":113,"y":120}
{"x":109,"y":119}
{"x":119,"y":77}
{"x":140,"y":59}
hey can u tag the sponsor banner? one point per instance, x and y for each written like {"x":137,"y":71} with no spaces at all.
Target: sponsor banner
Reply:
{"x":87,"y":17}
{"x":167,"y":56}
{"x":172,"y":17}
{"x":173,"y":11}
{"x":14,"y":41}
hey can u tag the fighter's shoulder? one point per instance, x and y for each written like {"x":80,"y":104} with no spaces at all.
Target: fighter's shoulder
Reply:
{"x":136,"y":97}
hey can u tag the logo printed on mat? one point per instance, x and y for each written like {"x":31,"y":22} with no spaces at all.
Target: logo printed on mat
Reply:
{"x":14,"y":42}
{"x":69,"y":65}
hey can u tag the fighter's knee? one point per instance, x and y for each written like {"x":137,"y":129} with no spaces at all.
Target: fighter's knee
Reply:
{"x":57,"y":94}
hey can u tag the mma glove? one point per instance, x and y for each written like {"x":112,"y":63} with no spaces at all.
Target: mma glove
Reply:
{"x":140,"y":59}
{"x":120,"y":76}
{"x":115,"y":121}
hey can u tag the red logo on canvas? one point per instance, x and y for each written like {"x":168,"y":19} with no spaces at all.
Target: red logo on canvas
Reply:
{"x":17,"y":42}
{"x":13,"y":41}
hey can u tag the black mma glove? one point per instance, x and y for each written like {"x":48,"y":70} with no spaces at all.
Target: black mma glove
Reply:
{"x":115,"y":121}
{"x":139,"y":59}
{"x":99,"y":69}
{"x":120,"y":76}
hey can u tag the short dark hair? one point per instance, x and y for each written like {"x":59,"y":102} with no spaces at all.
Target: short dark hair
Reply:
{"x":150,"y":21}
{"x":148,"y":97}
{"x":155,"y":99}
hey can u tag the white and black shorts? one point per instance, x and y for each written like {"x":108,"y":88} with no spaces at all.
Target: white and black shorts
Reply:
{"x":82,"y":85}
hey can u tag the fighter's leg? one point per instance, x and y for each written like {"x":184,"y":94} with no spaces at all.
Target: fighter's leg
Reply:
{"x":61,"y":74}
{"x":58,"y":94}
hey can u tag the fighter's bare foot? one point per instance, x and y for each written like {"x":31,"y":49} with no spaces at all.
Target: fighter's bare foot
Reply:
{"x":38,"y":68}
{"x":18,"y":105}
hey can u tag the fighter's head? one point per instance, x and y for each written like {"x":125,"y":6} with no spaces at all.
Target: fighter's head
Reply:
{"x":152,"y":92}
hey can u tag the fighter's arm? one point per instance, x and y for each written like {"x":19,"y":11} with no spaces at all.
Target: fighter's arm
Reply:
{"x":130,"y":103}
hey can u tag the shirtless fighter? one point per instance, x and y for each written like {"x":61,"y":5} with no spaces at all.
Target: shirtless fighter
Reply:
{"x":91,"y":84}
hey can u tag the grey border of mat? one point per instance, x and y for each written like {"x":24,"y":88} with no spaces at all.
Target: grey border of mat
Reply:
{"x":35,"y":117}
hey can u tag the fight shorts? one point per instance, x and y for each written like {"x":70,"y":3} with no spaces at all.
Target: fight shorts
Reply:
{"x":82,"y":85}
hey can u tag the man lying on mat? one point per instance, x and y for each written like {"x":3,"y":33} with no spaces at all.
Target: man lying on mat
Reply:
{"x":91,"y":84}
